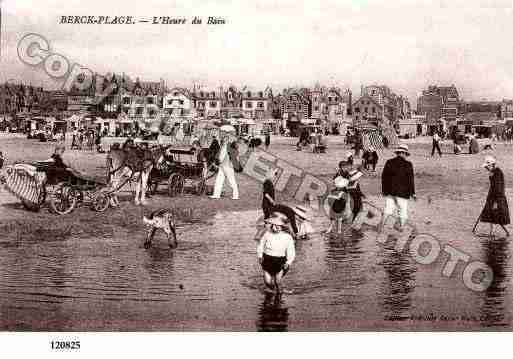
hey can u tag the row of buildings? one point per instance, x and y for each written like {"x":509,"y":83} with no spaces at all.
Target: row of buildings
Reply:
{"x":118,"y":96}
{"x":441,"y":107}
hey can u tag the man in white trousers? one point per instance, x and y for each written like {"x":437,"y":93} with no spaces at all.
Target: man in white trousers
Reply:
{"x":225,"y":170}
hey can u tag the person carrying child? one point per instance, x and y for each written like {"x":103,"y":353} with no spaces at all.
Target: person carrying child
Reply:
{"x":339,"y":201}
{"x":275,"y":252}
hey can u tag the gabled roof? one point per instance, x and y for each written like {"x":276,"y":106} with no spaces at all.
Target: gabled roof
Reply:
{"x":181,"y":90}
{"x":367,"y":97}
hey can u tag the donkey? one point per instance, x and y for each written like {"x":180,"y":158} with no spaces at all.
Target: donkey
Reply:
{"x":131,"y":162}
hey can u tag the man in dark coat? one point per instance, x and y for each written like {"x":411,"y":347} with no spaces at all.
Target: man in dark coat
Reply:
{"x":496,"y":210}
{"x":398,"y":186}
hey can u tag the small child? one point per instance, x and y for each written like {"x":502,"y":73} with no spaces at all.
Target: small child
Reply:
{"x":275,"y":252}
{"x":339,"y":210}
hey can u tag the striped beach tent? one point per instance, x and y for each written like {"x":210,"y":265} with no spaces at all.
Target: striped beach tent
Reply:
{"x":373,"y":137}
{"x":25,"y":183}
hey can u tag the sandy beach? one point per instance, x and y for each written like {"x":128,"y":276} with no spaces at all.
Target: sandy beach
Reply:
{"x":364,"y":284}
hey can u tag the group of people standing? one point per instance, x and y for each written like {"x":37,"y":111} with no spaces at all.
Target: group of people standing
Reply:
{"x":276,"y":250}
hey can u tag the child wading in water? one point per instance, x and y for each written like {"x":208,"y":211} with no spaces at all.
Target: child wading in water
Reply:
{"x":276,"y":252}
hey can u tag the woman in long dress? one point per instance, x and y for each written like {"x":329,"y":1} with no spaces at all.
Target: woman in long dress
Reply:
{"x":496,"y":210}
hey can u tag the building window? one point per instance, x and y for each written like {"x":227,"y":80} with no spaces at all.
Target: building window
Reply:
{"x":169,"y":102}
{"x":138,"y":110}
{"x":373,"y":109}
{"x":150,"y":100}
{"x":357,"y":110}
{"x":201,"y":104}
{"x":126,"y":101}
{"x":249,"y":104}
{"x":180,"y":102}
{"x":175,"y":94}
{"x":152,"y":113}
{"x":202,"y":94}
{"x":316,"y":108}
{"x":366,"y":109}
{"x":213,"y":104}
{"x":260,"y":104}
{"x":213,"y":94}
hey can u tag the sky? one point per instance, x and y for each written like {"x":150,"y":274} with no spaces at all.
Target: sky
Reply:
{"x":406,"y":45}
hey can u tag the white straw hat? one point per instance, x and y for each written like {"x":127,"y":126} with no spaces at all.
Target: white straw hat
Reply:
{"x":278,"y":219}
{"x":341,"y":182}
{"x":402,"y":149}
{"x":488,"y":161}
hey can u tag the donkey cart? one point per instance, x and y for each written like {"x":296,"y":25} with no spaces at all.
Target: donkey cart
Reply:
{"x":179,"y":169}
{"x":33,"y":183}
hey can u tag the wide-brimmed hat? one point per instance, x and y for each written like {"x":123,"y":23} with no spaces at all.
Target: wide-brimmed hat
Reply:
{"x":341,"y":182}
{"x":488,"y":161}
{"x":277,"y":219}
{"x":402,"y":149}
{"x":302,"y":212}
{"x":355,"y":175}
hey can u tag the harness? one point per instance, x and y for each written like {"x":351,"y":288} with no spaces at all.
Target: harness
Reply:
{"x":134,"y":166}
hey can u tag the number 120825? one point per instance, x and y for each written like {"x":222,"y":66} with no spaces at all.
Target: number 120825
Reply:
{"x":65,"y":345}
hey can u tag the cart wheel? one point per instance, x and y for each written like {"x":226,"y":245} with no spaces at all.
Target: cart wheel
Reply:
{"x":100,"y":202}
{"x":201,"y":187}
{"x":175,"y":185}
{"x":63,"y":199}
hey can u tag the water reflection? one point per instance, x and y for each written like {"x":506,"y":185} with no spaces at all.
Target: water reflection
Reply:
{"x":398,"y":284}
{"x":496,"y":256}
{"x":272,"y":315}
{"x":344,"y":258}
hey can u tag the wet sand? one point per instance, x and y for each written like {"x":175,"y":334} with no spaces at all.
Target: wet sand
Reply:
{"x":89,"y":271}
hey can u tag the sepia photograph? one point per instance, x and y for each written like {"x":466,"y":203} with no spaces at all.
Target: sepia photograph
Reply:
{"x":255,"y":166}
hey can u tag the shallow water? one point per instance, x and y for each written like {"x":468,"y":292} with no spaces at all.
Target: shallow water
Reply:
{"x":212,"y":281}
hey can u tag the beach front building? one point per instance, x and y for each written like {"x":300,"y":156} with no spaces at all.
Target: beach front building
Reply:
{"x":207,"y":103}
{"x":178,"y":103}
{"x":441,"y":105}
{"x":294,"y":108}
{"x":506,"y":110}
{"x":383,"y":96}
{"x":255,"y":104}
{"x":367,"y":112}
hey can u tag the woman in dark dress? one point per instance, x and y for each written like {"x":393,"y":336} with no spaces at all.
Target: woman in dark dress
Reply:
{"x":496,"y":209}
